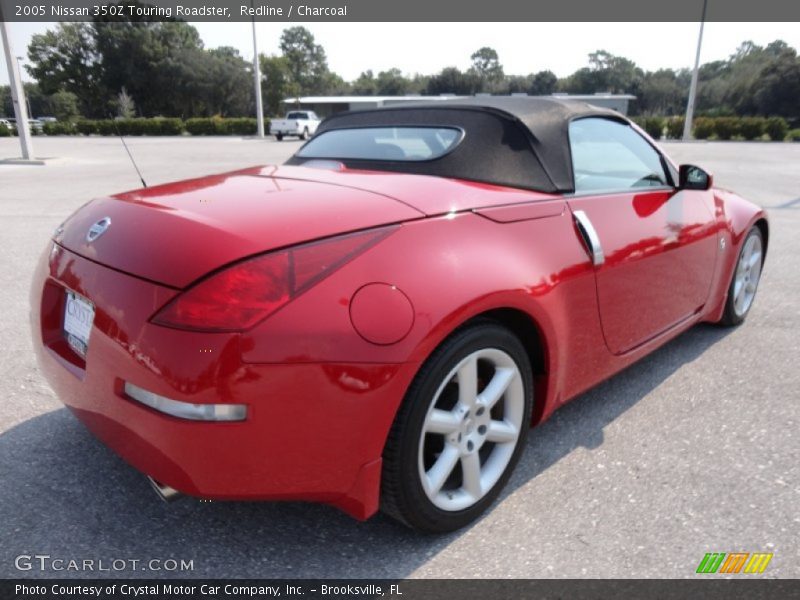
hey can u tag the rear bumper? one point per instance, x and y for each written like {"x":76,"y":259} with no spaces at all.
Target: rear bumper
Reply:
{"x":313,"y":432}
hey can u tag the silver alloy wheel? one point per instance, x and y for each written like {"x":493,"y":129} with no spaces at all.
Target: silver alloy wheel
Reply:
{"x":748,"y":272}
{"x":473,"y":423}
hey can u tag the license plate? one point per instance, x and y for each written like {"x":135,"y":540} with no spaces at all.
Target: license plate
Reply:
{"x":78,"y":319}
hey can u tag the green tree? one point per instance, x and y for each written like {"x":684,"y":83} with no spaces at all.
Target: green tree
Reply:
{"x":744,"y":68}
{"x":230,"y":78}
{"x":451,"y":80}
{"x":543,"y":83}
{"x":36,"y":99}
{"x":365,"y":85}
{"x":755,"y":80}
{"x":517,"y":84}
{"x":63,"y":106}
{"x":276,"y":83}
{"x":418,"y":84}
{"x":391,"y":83}
{"x":335,"y":85}
{"x":150,"y":57}
{"x":605,"y":73}
{"x":581,"y":81}
{"x":66,"y":58}
{"x":777,"y":89}
{"x":306,"y":60}
{"x":96,"y":60}
{"x":126,"y":108}
{"x":616,"y":74}
{"x":487,"y":68}
{"x":712,"y":86}
{"x":663,"y":92}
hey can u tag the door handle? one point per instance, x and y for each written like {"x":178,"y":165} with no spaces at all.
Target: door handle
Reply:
{"x":589,"y":235}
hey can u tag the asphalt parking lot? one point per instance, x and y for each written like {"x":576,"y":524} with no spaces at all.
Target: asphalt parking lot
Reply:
{"x":695,"y":449}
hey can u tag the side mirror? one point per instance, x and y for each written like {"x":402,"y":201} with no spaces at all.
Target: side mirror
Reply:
{"x":694,"y":178}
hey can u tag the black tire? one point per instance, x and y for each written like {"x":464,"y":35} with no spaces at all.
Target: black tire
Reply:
{"x":304,"y":135}
{"x":732,"y":317}
{"x":279,"y":137}
{"x":403,"y":496}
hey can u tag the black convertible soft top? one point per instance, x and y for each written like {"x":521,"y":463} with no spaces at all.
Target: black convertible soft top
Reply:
{"x":519,"y":142}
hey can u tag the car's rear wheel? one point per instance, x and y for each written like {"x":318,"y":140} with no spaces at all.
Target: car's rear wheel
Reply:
{"x":746,"y":275}
{"x":459,"y":432}
{"x":279,"y":137}
{"x":304,"y":135}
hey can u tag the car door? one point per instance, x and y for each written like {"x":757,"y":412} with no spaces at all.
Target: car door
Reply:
{"x":654,"y":247}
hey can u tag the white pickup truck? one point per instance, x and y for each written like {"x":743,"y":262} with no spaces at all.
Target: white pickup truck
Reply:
{"x":302,"y":123}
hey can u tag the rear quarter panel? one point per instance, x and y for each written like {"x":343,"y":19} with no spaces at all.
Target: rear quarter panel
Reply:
{"x":454,"y":268}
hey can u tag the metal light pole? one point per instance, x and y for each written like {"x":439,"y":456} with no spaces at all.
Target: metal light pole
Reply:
{"x":257,"y":78}
{"x":27,"y":100}
{"x":17,"y":93}
{"x":687,"y":125}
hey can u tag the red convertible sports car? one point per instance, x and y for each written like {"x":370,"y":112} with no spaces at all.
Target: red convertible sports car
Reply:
{"x":376,"y":323}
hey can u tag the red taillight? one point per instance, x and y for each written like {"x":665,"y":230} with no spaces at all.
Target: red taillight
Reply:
{"x":246,"y":293}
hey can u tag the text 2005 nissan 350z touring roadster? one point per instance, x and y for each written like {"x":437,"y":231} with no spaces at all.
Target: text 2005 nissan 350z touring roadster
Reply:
{"x":376,"y":323}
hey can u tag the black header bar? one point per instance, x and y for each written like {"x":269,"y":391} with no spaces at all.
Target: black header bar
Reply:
{"x":705,"y":587}
{"x":405,"y":10}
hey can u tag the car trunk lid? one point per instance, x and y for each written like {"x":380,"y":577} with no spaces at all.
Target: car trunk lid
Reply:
{"x":173,"y":234}
{"x":425,"y":193}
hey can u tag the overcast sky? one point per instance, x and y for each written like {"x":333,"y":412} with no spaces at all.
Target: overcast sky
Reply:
{"x":523,"y":47}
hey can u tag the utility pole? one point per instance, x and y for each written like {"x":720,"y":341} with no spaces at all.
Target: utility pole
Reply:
{"x":257,"y":78}
{"x":17,"y":93}
{"x":687,"y":125}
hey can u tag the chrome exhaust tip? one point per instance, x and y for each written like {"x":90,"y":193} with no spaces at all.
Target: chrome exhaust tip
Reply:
{"x":165,"y":492}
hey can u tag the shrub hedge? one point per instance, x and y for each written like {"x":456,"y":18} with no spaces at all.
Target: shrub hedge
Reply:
{"x":203,"y":126}
{"x":724,"y":128}
{"x":155,"y":126}
{"x":219,"y":126}
{"x":59,"y":128}
{"x":654,"y":126}
{"x":675,"y":127}
{"x":703,"y":127}
{"x":751,"y":128}
{"x":776,"y":128}
{"x":4,"y":131}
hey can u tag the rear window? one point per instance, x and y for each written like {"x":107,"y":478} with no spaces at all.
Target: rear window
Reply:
{"x":297,"y":115}
{"x":383,"y":143}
